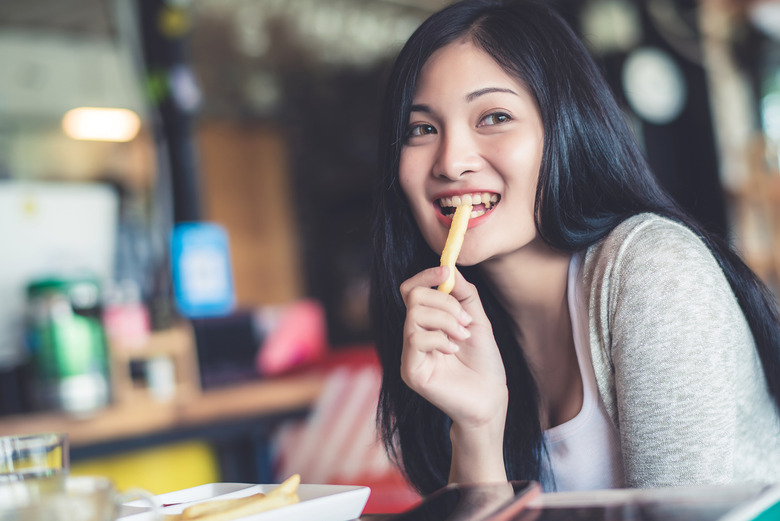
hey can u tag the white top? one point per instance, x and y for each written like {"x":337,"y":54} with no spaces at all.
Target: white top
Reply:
{"x":584,"y":453}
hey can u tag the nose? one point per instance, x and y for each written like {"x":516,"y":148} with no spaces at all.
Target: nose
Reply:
{"x":458,"y":155}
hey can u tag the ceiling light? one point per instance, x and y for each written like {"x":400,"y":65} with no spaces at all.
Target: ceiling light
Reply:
{"x":101,"y":124}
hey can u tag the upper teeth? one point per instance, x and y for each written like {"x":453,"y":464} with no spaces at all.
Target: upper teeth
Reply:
{"x":486,"y":198}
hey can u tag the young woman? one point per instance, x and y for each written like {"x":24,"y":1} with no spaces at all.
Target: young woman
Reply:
{"x":596,"y":336}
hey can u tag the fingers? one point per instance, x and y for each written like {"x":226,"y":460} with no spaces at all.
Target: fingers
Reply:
{"x":435,"y":321}
{"x":429,"y":278}
{"x":468,"y":297}
{"x":429,"y":341}
{"x":432,"y":322}
{"x":448,"y":357}
{"x":416,"y":293}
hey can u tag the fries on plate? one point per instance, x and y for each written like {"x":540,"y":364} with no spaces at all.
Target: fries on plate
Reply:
{"x":237,"y":508}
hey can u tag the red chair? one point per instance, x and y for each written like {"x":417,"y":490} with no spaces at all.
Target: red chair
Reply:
{"x":338,"y":442}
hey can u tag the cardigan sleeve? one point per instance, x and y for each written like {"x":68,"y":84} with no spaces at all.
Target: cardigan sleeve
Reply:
{"x":666,"y":332}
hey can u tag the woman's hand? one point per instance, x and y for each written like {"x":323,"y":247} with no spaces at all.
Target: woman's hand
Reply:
{"x":451,"y":359}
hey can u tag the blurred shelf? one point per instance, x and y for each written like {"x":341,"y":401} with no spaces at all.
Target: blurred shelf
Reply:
{"x":145,"y":417}
{"x":176,"y":344}
{"x":135,"y":412}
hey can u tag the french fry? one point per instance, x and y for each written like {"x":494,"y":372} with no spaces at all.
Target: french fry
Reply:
{"x":449,"y":255}
{"x":288,"y":486}
{"x":201,"y":509}
{"x":230,"y":509}
{"x":243,"y":509}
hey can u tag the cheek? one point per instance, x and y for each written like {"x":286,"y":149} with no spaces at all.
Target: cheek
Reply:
{"x":409,"y":176}
{"x":525,"y":162}
{"x":407,"y":186}
{"x":404,"y":176}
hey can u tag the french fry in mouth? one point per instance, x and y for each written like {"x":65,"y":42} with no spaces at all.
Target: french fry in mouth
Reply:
{"x":449,"y":255}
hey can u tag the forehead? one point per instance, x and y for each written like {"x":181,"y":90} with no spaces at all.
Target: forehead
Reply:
{"x":465,"y":66}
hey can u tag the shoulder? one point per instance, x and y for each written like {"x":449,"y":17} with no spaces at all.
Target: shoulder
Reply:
{"x":674,"y":358}
{"x":649,"y":247}
{"x":647,"y":235}
{"x":643,"y":284}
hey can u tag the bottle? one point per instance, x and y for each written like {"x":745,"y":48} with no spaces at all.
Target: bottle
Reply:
{"x":67,"y":344}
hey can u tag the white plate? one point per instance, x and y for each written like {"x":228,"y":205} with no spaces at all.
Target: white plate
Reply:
{"x":317,"y":502}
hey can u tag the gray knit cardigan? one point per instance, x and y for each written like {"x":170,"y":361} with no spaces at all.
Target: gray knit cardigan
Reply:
{"x":675,"y":362}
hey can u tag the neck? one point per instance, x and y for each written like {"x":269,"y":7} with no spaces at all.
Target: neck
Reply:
{"x":531,"y":284}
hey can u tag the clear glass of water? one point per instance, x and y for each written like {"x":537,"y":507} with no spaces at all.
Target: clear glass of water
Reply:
{"x":80,"y":498}
{"x":34,"y":456}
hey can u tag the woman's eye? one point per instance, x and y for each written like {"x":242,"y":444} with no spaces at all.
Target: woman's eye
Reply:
{"x":423,"y":129}
{"x":494,"y":119}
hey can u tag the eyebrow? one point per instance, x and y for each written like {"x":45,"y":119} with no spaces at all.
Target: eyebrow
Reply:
{"x":420,"y":108}
{"x":488,"y":90}
{"x":469,"y":98}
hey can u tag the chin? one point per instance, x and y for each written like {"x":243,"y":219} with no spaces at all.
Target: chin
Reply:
{"x":469,"y":260}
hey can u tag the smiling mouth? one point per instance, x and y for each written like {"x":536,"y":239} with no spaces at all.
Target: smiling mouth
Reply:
{"x":481,"y":202}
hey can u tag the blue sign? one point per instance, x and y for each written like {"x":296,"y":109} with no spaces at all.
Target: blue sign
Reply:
{"x":202,"y":276}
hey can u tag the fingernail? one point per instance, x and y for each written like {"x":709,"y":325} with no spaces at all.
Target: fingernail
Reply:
{"x":465,"y":333}
{"x":454,"y":347}
{"x":465,"y":318}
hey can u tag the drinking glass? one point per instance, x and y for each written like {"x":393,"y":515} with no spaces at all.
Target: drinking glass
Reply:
{"x":81,"y":498}
{"x":34,"y":456}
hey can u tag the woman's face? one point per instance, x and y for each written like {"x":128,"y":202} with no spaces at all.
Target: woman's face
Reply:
{"x":473,"y":130}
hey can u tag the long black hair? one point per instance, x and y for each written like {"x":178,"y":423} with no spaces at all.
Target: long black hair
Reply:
{"x":592,"y":177}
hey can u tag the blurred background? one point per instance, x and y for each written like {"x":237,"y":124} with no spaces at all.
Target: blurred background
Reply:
{"x":185,"y":195}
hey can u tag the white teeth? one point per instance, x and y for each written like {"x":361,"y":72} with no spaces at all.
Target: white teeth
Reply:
{"x":477,"y":213}
{"x":485,"y":198}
